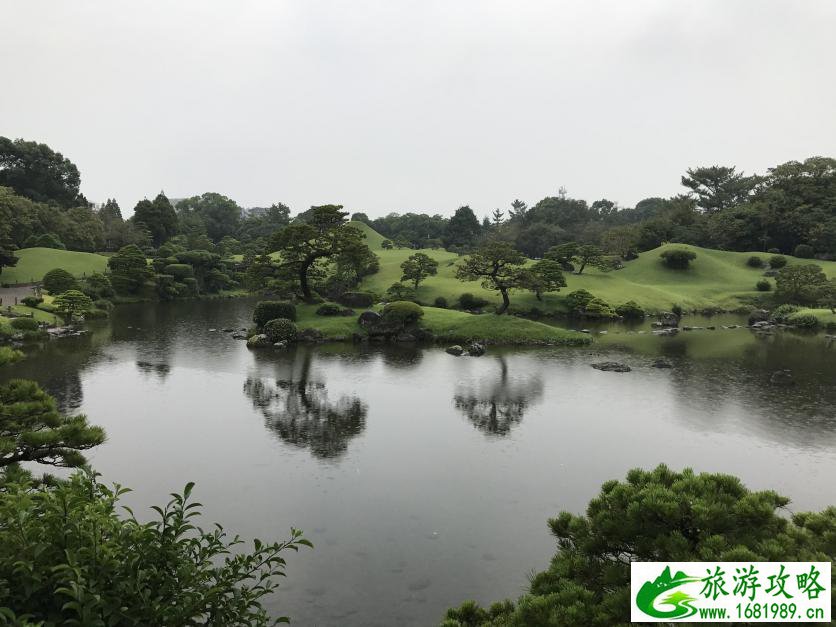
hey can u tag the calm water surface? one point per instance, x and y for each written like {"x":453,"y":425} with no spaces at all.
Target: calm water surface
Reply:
{"x":423,"y":479}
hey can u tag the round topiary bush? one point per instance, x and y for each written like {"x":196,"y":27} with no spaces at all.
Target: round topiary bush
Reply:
{"x":469,"y":302}
{"x":267,"y":310}
{"x":402,"y":313}
{"x":598,"y":308}
{"x":763,"y":285}
{"x":777,"y":261}
{"x":804,"y":251}
{"x":576,"y":301}
{"x":440,"y":302}
{"x":630,"y":310}
{"x":24,"y":324}
{"x":58,"y":281}
{"x":754,"y":262}
{"x":31,"y":301}
{"x":678,"y":258}
{"x":280,"y":330}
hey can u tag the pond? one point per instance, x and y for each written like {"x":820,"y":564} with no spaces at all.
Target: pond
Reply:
{"x":425,"y":479}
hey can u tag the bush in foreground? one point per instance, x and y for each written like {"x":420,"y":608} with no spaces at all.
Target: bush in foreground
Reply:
{"x":658,"y":515}
{"x":280,"y":330}
{"x":58,"y":281}
{"x":267,"y":310}
{"x":401,"y":313}
{"x":85,"y":565}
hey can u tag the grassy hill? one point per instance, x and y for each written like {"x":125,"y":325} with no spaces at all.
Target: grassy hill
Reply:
{"x":35,"y":262}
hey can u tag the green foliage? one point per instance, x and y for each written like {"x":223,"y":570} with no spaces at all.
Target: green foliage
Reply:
{"x":498,"y":265}
{"x":218,"y":215}
{"x":399,"y":291}
{"x":717,"y":187}
{"x":418,"y":267}
{"x":542,"y":277}
{"x":9,"y":355}
{"x":280,"y":330}
{"x":776,"y":262}
{"x":32,"y":429}
{"x":469,"y":302}
{"x":763,"y":285}
{"x":658,"y":515}
{"x":357,"y":299}
{"x":630,"y":311}
{"x":783,"y":312}
{"x":804,"y":251}
{"x":179,"y":271}
{"x":576,"y":301}
{"x":97,"y":286}
{"x":157,"y":217}
{"x":676,"y":310}
{"x":59,"y":280}
{"x":440,"y":302}
{"x":678,"y":258}
{"x":401,"y":313}
{"x":755,"y":262}
{"x":563,"y":254}
{"x":45,"y":240}
{"x":590,"y":255}
{"x":387,"y":244}
{"x":71,"y":303}
{"x":86,"y":565}
{"x":31,"y":301}
{"x":24,"y":324}
{"x":329,"y":309}
{"x":462,"y":229}
{"x":34,"y":170}
{"x":128,"y":269}
{"x":804,"y":321}
{"x":799,"y":283}
{"x":597,"y":308}
{"x":267,"y":310}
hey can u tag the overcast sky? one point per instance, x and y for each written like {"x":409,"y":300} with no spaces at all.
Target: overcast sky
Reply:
{"x":425,"y":105}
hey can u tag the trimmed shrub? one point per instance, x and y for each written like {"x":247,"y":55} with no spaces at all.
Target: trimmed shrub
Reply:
{"x":763,"y":285}
{"x":782,"y":312}
{"x":777,"y":261}
{"x":31,"y":301}
{"x":630,"y":310}
{"x":440,"y":302}
{"x":577,"y":300}
{"x":804,"y":251}
{"x":329,"y":309}
{"x":179,"y":271}
{"x":24,"y":324}
{"x":267,"y":310}
{"x":402,"y":313}
{"x":280,"y":330}
{"x":58,"y":281}
{"x":469,"y":302}
{"x":804,"y":321}
{"x":357,"y":299}
{"x":598,"y":308}
{"x":678,"y":258}
{"x":755,"y":262}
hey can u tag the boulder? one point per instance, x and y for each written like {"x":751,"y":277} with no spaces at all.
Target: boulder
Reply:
{"x":667,"y":319}
{"x":476,"y":349}
{"x":310,"y":335}
{"x":227,"y":330}
{"x":668,"y":331}
{"x":758,"y":315}
{"x":455,"y":350}
{"x":258,"y":341}
{"x":762,"y":324}
{"x":781,"y":377}
{"x":368,"y":319}
{"x":611,"y":366}
{"x":282,"y":344}
{"x":238,"y":335}
{"x":661,"y":362}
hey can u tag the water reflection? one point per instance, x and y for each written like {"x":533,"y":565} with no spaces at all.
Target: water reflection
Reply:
{"x":298,"y":410}
{"x":161,"y":370}
{"x":496,"y":405}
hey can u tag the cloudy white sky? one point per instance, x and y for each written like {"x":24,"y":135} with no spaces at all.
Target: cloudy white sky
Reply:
{"x":398,"y":105}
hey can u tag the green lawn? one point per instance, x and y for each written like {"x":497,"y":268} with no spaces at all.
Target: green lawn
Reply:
{"x":826,"y":317}
{"x":34,"y":263}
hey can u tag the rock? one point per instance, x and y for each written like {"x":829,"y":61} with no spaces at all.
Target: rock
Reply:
{"x":368,"y":319}
{"x":227,"y":330}
{"x":667,"y":319}
{"x":711,"y":328}
{"x":212,"y":330}
{"x":339,"y":338}
{"x":476,"y":349}
{"x":405,"y":337}
{"x":585,"y":331}
{"x":455,"y":350}
{"x":668,"y":332}
{"x":310,"y":335}
{"x":661,"y":362}
{"x":602,"y":332}
{"x":758,"y":315}
{"x":258,"y":341}
{"x":611,"y":366}
{"x":282,"y":344}
{"x":781,"y":377}
{"x":238,"y":335}
{"x":762,"y":325}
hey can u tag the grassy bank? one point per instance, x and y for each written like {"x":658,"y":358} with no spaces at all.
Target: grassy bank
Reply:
{"x":454,"y":327}
{"x":826,"y":318}
{"x":34,"y":263}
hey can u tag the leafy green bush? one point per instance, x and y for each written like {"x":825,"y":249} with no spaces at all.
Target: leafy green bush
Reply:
{"x":804,"y":321}
{"x":782,"y":312}
{"x":678,"y":258}
{"x":329,"y":309}
{"x":777,"y":262}
{"x":630,"y":310}
{"x":763,"y":285}
{"x":804,"y":251}
{"x":9,"y":355}
{"x":755,"y":262}
{"x":280,"y":330}
{"x":677,"y":310}
{"x":85,"y":565}
{"x":267,"y":310}
{"x":440,"y":302}
{"x":576,"y":301}
{"x":44,"y":240}
{"x":402,"y":313}
{"x":598,"y":308}
{"x":469,"y":302}
{"x":24,"y":324}
{"x":357,"y":299}
{"x":179,"y":271}
{"x":31,"y":301}
{"x":399,"y":291}
{"x":58,"y":281}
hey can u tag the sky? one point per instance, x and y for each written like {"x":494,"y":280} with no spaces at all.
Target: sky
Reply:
{"x":416,"y":105}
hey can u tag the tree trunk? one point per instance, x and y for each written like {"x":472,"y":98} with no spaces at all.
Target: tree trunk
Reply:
{"x":303,"y":279}
{"x":505,"y":301}
{"x":583,"y":265}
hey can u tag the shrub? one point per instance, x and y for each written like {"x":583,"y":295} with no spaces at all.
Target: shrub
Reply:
{"x":630,"y":311}
{"x":576,"y":301}
{"x":677,"y":310}
{"x":329,"y":309}
{"x":25,"y":324}
{"x":678,"y":258}
{"x":804,"y":251}
{"x":402,"y":313}
{"x":387,"y":244}
{"x":58,"y":281}
{"x":399,"y":291}
{"x":777,"y":261}
{"x":598,"y":308}
{"x":280,"y":330}
{"x":31,"y":301}
{"x":754,"y":262}
{"x":763,"y":285}
{"x":469,"y":302}
{"x":44,"y":240}
{"x":440,"y":302}
{"x":357,"y":299}
{"x":267,"y":310}
{"x":805,"y":321}
{"x":782,"y":312}
{"x":179,"y":271}
{"x":89,"y":564}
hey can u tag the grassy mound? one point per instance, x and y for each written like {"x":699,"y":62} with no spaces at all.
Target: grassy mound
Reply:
{"x":34,"y":263}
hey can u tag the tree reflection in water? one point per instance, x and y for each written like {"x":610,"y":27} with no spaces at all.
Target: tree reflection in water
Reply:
{"x":299,"y":412}
{"x":494,"y":407}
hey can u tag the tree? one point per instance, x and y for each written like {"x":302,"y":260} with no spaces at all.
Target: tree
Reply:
{"x":418,"y":267}
{"x":621,"y":240}
{"x":33,"y":430}
{"x":826,"y":295}
{"x":71,"y":303}
{"x":58,"y":281}
{"x":324,"y":234}
{"x":35,"y":171}
{"x":500,"y":267}
{"x":262,"y":223}
{"x":518,"y":209}
{"x":7,"y":256}
{"x":157,"y":217}
{"x":799,"y":284}
{"x":657,"y":515}
{"x":563,"y":254}
{"x":128,"y":269}
{"x":463,"y":228}
{"x":678,"y":258}
{"x":718,"y":188}
{"x":497,"y":217}
{"x":220,"y":215}
{"x":544,"y":276}
{"x":387,"y":244}
{"x":590,"y":255}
